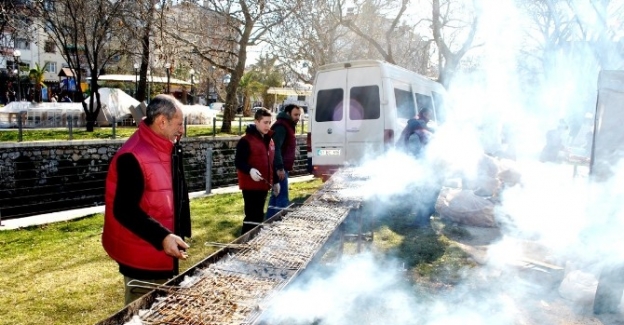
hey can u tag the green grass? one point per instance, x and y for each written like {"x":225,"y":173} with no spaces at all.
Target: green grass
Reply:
{"x":59,"y":273}
{"x":429,"y":253}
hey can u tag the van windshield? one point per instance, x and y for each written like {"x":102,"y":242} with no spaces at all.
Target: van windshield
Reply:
{"x":329,"y":105}
{"x":364,"y":104}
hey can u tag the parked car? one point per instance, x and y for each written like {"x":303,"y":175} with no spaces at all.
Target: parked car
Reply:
{"x":255,"y":109}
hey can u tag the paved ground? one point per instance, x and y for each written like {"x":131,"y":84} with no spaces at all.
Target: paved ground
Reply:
{"x":79,"y":213}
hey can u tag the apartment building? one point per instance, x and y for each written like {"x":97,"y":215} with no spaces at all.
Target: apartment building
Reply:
{"x":34,"y":46}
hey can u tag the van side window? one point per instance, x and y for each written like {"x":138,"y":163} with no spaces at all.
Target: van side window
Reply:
{"x":365,"y":103}
{"x":438,"y":101}
{"x":404,"y":104}
{"x":424,"y":101}
{"x":329,"y":105}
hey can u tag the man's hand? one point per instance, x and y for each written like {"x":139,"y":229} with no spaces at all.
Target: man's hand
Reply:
{"x":276,"y":189}
{"x":281,"y":174}
{"x":174,"y":246}
{"x":255,"y":175}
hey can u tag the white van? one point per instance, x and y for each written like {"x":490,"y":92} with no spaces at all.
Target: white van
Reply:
{"x":360,"y":107}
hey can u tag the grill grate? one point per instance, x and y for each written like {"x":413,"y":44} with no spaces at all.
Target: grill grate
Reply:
{"x":234,"y":287}
{"x":218,"y":297}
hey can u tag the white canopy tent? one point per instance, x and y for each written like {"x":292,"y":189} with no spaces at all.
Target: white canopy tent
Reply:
{"x":41,"y":114}
{"x":115,"y":103}
{"x":198,"y":114}
{"x":118,"y":105}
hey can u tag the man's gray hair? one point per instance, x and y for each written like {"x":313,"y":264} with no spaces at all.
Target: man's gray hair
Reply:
{"x":161,"y":105}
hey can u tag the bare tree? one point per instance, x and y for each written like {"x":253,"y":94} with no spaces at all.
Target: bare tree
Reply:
{"x":139,"y":19}
{"x":312,"y":37}
{"x":220,"y":32}
{"x":366,"y":19}
{"x":340,"y":30}
{"x":447,"y":28}
{"x":87,"y":33}
{"x":559,"y":24}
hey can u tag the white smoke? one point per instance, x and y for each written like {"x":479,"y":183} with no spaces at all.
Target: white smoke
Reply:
{"x":573,"y":220}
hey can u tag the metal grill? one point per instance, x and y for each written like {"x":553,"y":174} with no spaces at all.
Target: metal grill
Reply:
{"x":292,"y":242}
{"x":215,"y":297}
{"x":233,"y":285}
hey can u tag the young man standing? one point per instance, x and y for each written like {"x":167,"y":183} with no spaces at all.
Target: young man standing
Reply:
{"x":285,"y":148}
{"x":254,"y":168}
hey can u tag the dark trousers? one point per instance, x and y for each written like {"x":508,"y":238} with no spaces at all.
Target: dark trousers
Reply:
{"x":277,"y":203}
{"x":254,"y":208}
{"x":610,"y":290}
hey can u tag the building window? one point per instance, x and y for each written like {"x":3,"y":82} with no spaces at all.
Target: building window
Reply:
{"x":50,"y":47}
{"x":22,"y":44}
{"x":51,"y":67}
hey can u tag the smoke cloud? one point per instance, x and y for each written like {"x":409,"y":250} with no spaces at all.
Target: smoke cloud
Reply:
{"x":508,"y":104}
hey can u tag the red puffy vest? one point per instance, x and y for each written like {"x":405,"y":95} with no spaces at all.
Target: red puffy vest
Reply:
{"x":261,"y":154}
{"x":290,"y":143}
{"x":154,"y":156}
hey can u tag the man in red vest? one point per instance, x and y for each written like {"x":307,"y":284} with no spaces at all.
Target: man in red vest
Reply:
{"x":254,"y":167}
{"x":147,"y":211}
{"x":285,"y":149}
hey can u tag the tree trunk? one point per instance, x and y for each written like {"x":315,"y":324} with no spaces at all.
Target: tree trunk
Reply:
{"x":90,"y":125}
{"x":229,"y":109}
{"x":142,"y":94}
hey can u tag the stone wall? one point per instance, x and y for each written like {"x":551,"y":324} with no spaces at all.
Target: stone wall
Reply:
{"x":42,"y":177}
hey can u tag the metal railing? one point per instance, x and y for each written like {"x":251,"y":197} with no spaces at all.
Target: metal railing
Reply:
{"x":67,"y":184}
{"x":27,"y":122}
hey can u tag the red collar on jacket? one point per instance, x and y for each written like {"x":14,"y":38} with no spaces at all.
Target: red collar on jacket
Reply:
{"x":155,"y":140}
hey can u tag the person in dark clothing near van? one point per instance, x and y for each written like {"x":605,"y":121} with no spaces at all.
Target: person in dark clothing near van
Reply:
{"x":254,"y":156}
{"x":424,"y":116}
{"x":413,"y":141}
{"x":285,"y":149}
{"x":415,"y":137}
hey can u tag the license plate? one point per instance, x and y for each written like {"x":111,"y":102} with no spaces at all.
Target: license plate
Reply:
{"x":328,"y":152}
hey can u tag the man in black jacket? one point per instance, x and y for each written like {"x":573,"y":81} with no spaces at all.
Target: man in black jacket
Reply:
{"x":285,"y":150}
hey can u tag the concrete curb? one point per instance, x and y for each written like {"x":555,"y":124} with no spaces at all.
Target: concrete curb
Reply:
{"x":47,"y":218}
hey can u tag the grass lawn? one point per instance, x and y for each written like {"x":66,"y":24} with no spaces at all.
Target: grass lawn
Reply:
{"x":59,"y":273}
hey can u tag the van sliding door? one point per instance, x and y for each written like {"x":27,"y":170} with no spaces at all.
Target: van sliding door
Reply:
{"x":364,"y":121}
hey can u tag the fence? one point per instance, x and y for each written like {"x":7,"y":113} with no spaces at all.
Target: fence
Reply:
{"x":42,"y":185}
{"x":24,"y":122}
